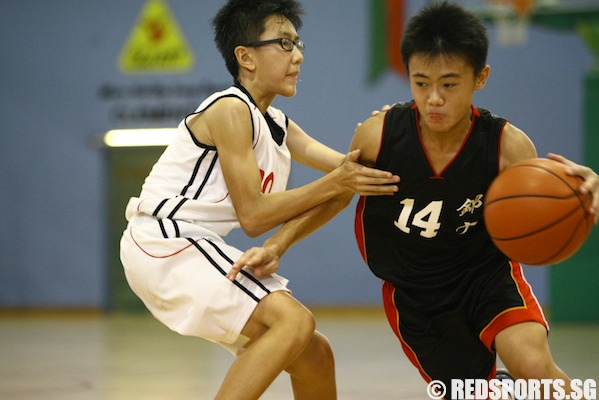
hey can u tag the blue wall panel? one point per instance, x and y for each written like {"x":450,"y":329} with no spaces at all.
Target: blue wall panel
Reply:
{"x":58,"y":57}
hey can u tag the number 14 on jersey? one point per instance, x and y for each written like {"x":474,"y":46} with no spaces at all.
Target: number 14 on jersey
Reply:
{"x":426,"y":219}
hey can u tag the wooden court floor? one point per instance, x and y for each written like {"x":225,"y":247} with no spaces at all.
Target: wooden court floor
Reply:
{"x":66,"y":356}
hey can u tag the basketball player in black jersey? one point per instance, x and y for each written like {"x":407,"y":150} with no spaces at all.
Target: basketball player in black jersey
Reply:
{"x":451,"y":297}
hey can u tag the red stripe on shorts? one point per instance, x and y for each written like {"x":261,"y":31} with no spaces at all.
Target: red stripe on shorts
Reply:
{"x":530,"y":311}
{"x":393,"y":317}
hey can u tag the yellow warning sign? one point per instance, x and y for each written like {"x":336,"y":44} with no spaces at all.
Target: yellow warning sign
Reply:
{"x":156,"y":44}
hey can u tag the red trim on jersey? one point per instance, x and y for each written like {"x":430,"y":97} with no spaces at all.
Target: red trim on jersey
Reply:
{"x":378,"y":152}
{"x":157,"y":256}
{"x":530,"y":311}
{"x":223,"y":199}
{"x":393,"y":318}
{"x":359,"y":227}
{"x":257,"y":138}
{"x":499,"y":147}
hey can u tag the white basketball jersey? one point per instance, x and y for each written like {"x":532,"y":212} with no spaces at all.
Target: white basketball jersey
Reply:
{"x":187,"y":182}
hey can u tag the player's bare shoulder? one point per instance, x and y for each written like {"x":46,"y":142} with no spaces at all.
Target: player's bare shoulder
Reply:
{"x":226,"y":112}
{"x":367,"y":138}
{"x":515,"y":146}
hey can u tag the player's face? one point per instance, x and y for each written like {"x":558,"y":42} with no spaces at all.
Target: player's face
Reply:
{"x":276,"y":68}
{"x":443,"y":88}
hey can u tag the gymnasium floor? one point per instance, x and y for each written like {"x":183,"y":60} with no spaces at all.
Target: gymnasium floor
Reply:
{"x":55,"y":356}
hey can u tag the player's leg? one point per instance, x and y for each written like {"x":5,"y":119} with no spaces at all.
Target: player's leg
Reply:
{"x":280,"y":330}
{"x":524,"y":349}
{"x":313,"y":371}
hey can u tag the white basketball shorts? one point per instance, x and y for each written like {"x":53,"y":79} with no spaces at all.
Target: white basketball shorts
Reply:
{"x":178,"y":271}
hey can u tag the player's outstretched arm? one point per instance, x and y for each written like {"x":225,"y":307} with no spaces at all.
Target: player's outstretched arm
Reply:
{"x":308,"y":151}
{"x":227,"y":125}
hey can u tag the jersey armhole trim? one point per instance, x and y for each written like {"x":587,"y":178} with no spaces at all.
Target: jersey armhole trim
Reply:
{"x":203,"y":145}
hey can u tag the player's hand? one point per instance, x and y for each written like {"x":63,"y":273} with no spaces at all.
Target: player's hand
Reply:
{"x":384,"y":108}
{"x":364,"y":180}
{"x":374,"y":113}
{"x":262,"y":261}
{"x":591,"y":181}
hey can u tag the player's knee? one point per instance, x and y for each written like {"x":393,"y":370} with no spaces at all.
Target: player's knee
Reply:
{"x":290,"y":319}
{"x":301,"y":325}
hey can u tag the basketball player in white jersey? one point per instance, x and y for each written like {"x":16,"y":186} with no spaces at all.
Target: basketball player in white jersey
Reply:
{"x":228,"y":167}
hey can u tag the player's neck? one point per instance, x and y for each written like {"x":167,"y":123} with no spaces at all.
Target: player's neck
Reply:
{"x":441,"y":147}
{"x":261,"y":99}
{"x":445,"y":141}
{"x":445,"y":138}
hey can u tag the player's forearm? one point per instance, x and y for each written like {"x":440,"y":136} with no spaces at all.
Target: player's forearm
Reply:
{"x":273,"y":209}
{"x":263,"y":213}
{"x":304,"y":224}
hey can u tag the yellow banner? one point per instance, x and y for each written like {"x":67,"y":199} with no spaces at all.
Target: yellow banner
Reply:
{"x":156,"y":44}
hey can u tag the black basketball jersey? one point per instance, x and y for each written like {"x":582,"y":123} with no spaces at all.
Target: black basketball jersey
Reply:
{"x":431,"y":233}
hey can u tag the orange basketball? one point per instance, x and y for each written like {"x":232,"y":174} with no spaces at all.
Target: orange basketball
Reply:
{"x":534,"y":213}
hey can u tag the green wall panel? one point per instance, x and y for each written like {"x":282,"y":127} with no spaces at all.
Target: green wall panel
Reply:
{"x":574,"y":283}
{"x":127,"y":167}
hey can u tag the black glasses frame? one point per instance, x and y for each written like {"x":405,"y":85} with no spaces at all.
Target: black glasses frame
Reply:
{"x":285,"y":43}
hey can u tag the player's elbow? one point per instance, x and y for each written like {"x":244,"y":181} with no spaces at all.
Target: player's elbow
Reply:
{"x":253,"y":225}
{"x":252,"y":232}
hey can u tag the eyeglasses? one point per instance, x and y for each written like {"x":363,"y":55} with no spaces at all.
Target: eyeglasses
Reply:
{"x":286,"y":44}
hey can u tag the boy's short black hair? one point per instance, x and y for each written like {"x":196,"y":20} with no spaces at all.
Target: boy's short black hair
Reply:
{"x":242,"y":21}
{"x":446,"y":29}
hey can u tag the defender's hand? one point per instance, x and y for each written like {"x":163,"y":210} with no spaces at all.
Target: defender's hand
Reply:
{"x":364,"y":180}
{"x":262,"y":261}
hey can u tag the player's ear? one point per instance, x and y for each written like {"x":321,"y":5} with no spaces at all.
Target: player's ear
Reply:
{"x":244,"y":58}
{"x":482,"y":77}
